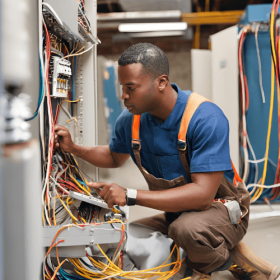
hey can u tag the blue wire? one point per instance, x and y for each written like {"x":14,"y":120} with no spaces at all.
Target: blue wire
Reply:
{"x":67,"y":276}
{"x":41,"y":90}
{"x":81,"y":182}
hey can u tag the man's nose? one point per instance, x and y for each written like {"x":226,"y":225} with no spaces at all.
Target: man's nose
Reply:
{"x":124,"y":95}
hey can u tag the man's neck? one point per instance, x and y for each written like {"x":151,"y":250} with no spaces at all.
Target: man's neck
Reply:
{"x":165,"y":107}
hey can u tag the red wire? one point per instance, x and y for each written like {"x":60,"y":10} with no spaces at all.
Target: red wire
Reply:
{"x":277,"y":69}
{"x":51,"y":142}
{"x":246,"y":92}
{"x":240,"y":57}
{"x":56,"y":115}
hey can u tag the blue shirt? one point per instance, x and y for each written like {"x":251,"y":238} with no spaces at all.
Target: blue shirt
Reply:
{"x":207,"y":140}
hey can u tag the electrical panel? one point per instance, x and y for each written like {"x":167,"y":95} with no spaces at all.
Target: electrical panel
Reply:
{"x":259,"y":132}
{"x":77,"y":223}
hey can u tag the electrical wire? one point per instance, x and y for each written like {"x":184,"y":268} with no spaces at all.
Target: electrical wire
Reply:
{"x":259,"y":62}
{"x":263,"y":186}
{"x":89,"y":268}
{"x":255,"y":159}
{"x":276,"y":52}
{"x":41,"y":90}
{"x":262,"y":160}
{"x":242,"y":36}
{"x":76,"y":54}
{"x":274,"y":72}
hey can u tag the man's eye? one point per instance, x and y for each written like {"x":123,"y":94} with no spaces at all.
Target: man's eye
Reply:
{"x":131,"y":89}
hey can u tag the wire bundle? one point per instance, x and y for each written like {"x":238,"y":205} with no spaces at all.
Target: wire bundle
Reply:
{"x":258,"y":187}
{"x":59,"y":176}
{"x":89,"y":268}
{"x":274,"y":40}
{"x":244,"y":100}
{"x":82,"y":18}
{"x":65,"y":176}
{"x":257,"y":191}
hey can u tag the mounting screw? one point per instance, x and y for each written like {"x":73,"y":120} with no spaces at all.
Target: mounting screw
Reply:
{"x":91,"y":231}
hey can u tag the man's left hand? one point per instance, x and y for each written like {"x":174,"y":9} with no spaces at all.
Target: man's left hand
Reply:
{"x":112,"y":193}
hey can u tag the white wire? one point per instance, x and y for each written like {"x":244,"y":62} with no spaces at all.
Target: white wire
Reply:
{"x":263,"y":186}
{"x":78,"y":53}
{"x":262,"y":160}
{"x":254,"y":157}
{"x":244,"y":132}
{"x":58,"y":185}
{"x":50,"y":135}
{"x":54,"y":13}
{"x":259,"y":62}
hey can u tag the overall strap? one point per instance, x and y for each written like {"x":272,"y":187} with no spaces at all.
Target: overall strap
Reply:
{"x":136,"y":143}
{"x":194,"y":101}
{"x":192,"y":104}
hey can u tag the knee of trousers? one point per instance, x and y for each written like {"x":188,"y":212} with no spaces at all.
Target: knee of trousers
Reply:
{"x":199,"y":241}
{"x":185,"y":235}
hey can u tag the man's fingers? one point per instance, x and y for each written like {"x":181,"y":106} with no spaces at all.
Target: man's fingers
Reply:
{"x":110,"y":203}
{"x":106,"y":195}
{"x":59,"y":127}
{"x":62,"y":133}
{"x":96,"y":185}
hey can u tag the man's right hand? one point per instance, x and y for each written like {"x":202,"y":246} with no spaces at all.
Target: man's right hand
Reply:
{"x":63,"y":139}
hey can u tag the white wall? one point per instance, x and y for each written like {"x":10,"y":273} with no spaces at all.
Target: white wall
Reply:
{"x":224,"y":72}
{"x":201,"y":72}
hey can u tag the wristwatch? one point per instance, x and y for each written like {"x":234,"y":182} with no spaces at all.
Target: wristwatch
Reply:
{"x":131,"y":197}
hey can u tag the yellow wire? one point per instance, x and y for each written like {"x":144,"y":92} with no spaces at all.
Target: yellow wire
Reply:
{"x":273,"y":58}
{"x":70,"y":101}
{"x":69,"y":212}
{"x":80,"y":186}
{"x":271,"y":107}
{"x":43,"y":216}
{"x":83,"y":177}
{"x":66,"y":48}
{"x":77,"y":53}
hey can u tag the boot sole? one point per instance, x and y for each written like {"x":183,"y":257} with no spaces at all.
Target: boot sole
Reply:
{"x":275,"y":273}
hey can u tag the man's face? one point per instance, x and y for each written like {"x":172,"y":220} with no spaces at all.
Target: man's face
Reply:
{"x":138,"y":89}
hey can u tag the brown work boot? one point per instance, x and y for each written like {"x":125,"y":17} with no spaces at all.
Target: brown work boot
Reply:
{"x":248,"y":266}
{"x":191,"y":274}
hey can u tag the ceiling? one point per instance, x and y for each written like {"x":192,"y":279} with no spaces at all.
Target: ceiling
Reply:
{"x":113,"y":12}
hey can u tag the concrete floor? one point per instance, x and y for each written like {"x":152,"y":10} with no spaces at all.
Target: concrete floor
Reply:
{"x":263,"y":235}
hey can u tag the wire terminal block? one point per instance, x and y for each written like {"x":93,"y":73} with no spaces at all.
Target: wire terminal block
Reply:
{"x":89,"y":199}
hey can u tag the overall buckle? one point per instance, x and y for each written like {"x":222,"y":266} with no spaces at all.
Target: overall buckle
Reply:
{"x":181,"y":145}
{"x":136,"y":144}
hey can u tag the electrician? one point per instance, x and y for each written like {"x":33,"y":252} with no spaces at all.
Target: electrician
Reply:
{"x":185,"y":160}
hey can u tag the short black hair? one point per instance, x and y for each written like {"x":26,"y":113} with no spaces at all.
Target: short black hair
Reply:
{"x":154,"y":60}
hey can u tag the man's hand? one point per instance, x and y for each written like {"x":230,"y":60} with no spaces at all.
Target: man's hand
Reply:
{"x":111,"y":193}
{"x":63,"y":139}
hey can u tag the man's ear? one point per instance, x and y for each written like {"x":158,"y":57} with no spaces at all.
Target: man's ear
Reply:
{"x":163,"y":82}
